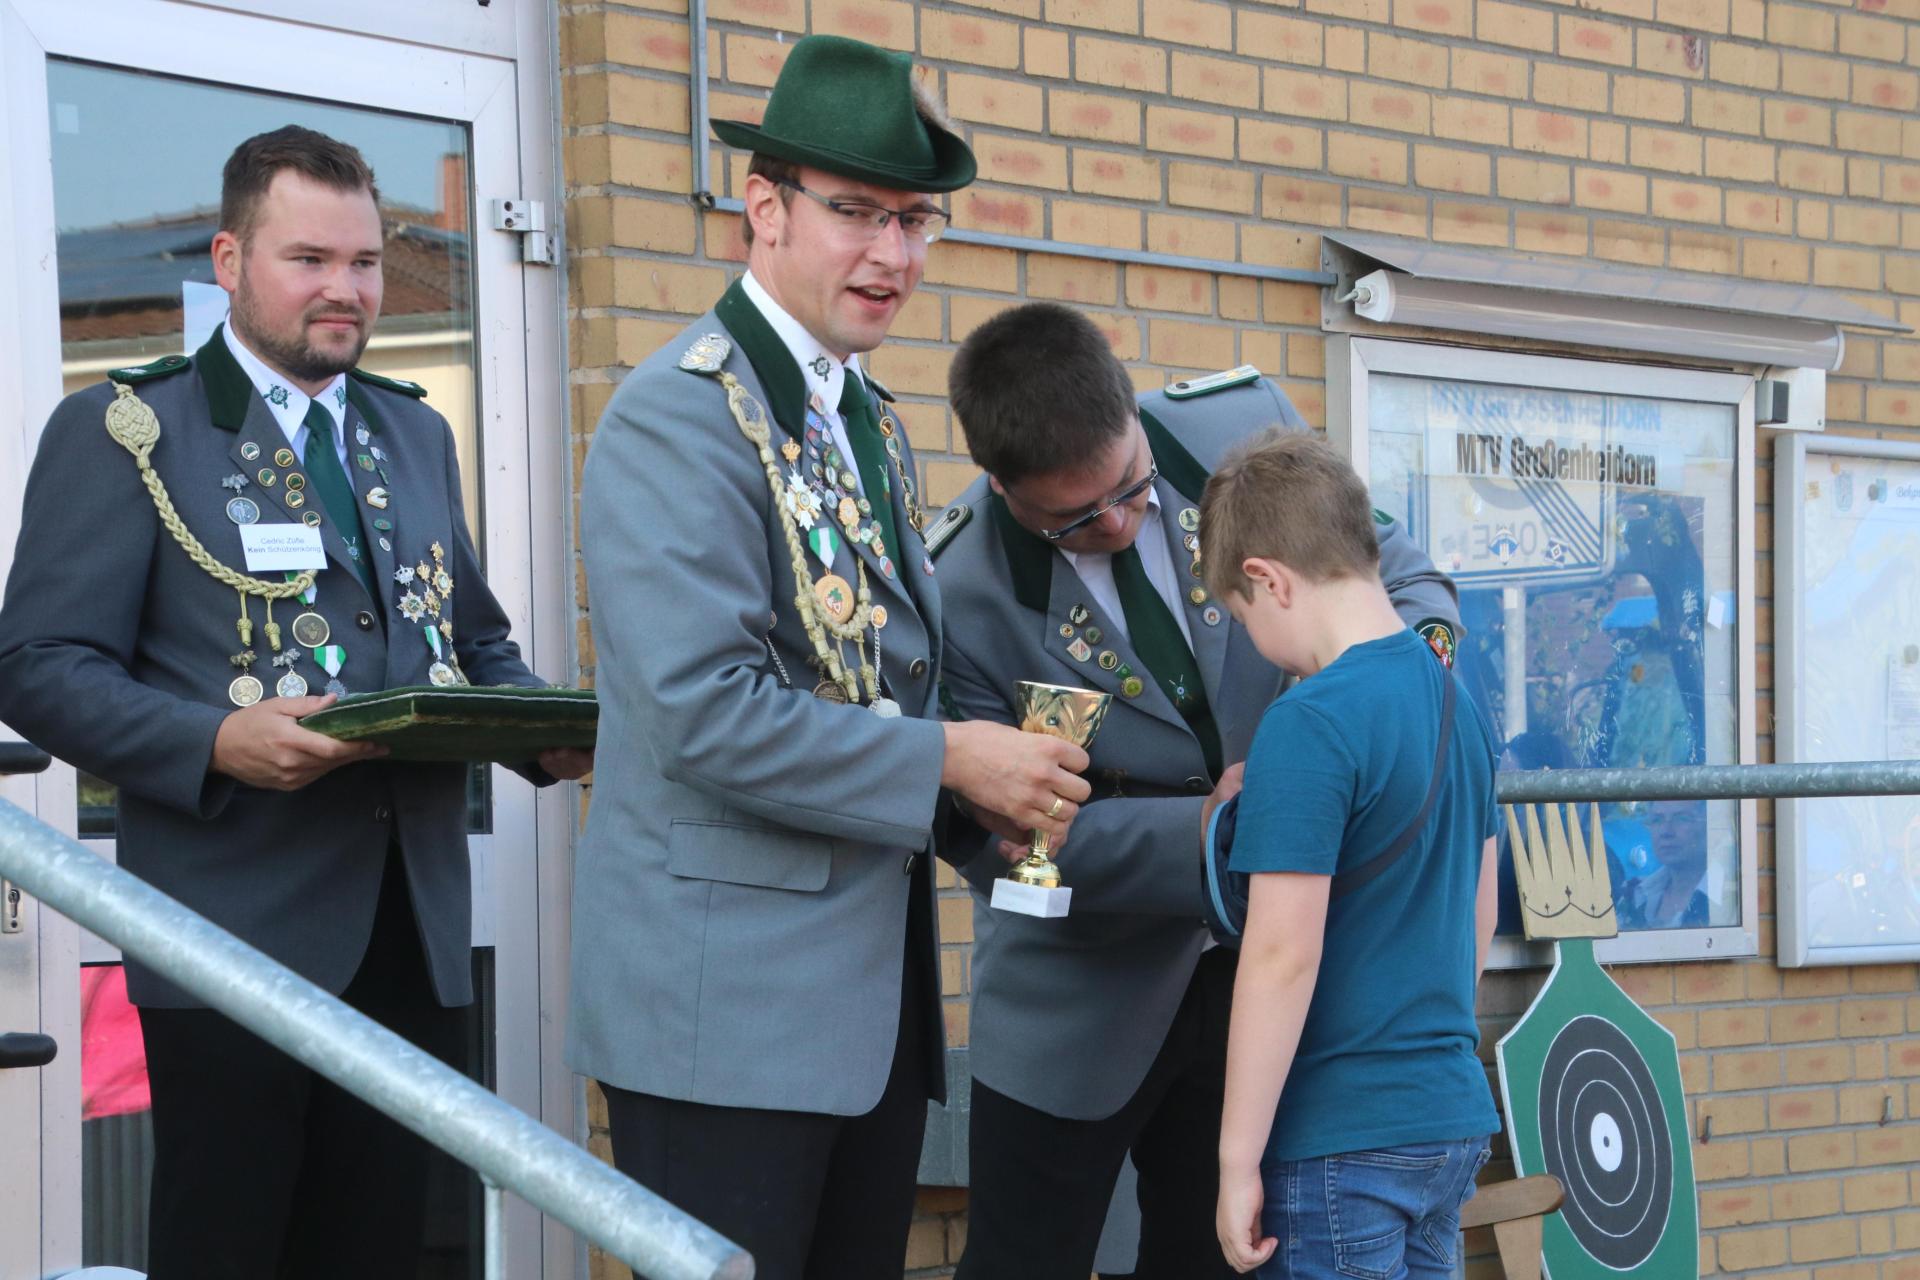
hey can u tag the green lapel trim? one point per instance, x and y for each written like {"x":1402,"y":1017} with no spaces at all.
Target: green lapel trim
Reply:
{"x":1177,"y":467}
{"x":771,"y":361}
{"x":361,"y":399}
{"x":230,"y":391}
{"x":1029,"y":557}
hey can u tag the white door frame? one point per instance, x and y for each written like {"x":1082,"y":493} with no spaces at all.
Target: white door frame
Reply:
{"x":490,"y":67}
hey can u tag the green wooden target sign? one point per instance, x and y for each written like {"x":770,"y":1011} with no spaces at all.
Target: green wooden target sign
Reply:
{"x":1590,"y":1085}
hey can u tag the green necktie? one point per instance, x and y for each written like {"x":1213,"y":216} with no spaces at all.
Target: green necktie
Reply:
{"x":1156,"y":637}
{"x":330,"y":484}
{"x":869,"y":451}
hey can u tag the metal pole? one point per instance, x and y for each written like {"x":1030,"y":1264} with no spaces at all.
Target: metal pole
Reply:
{"x":1713,"y":782}
{"x":697,"y":84}
{"x":506,"y":1146}
{"x":495,"y":1211}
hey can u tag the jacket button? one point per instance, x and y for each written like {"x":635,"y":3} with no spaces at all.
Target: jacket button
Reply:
{"x":1198,"y":786}
{"x":363,"y":620}
{"x":917,"y":668}
{"x":383,"y":814}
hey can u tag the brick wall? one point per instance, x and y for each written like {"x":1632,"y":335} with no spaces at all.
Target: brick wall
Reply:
{"x":1759,"y":138}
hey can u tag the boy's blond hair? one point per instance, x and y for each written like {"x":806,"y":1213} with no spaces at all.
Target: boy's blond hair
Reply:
{"x":1286,"y":496}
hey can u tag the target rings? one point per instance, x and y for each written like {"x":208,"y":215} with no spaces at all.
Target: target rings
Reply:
{"x":1604,"y":1134}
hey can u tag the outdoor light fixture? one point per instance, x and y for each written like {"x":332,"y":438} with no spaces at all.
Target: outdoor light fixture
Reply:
{"x":1395,"y":297}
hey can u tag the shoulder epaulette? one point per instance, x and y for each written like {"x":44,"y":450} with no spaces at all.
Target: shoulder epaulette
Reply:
{"x":879,"y":387}
{"x":1188,"y":388}
{"x":401,"y":385}
{"x":707,"y":356}
{"x":164,"y":367}
{"x":951,"y":521}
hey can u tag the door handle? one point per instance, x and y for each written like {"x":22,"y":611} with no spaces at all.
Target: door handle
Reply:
{"x":26,"y":1049}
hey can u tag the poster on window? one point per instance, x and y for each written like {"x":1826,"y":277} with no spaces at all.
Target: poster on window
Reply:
{"x":1849,"y":609}
{"x":1591,"y":535}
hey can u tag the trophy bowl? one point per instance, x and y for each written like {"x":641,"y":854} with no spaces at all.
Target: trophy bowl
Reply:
{"x":1059,"y":711}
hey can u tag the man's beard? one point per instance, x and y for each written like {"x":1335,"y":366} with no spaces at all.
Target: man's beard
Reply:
{"x":295,"y":357}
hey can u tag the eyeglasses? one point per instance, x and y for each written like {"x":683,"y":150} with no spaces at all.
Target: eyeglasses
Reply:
{"x":868,"y":220}
{"x":1118,"y":500}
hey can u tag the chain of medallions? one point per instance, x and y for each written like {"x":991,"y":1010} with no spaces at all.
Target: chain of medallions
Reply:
{"x":752,"y":420}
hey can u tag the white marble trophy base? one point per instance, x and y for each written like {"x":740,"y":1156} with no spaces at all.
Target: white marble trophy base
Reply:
{"x":1031,"y":899}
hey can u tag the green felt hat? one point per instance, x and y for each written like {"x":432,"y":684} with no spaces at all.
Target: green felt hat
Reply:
{"x":846,"y":107}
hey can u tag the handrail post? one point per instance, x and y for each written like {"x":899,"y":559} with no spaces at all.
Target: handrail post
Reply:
{"x":505,"y":1146}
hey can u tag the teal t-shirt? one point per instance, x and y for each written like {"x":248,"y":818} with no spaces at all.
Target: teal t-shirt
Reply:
{"x":1339,"y":767}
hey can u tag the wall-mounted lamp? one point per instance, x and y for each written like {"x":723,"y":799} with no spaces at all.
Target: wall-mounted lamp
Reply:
{"x":1394,"y":297}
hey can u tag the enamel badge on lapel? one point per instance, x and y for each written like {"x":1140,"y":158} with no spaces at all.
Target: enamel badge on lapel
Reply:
{"x":377,"y":498}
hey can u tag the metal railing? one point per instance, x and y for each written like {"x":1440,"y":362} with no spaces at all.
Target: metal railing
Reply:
{"x":512,"y":1150}
{"x":507,"y":1147}
{"x":1713,"y":782}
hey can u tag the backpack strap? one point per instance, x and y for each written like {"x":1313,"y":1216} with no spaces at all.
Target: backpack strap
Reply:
{"x":1354,"y":877}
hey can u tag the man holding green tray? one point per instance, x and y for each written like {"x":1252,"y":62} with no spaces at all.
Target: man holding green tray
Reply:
{"x":754,"y":978}
{"x":207,"y":545}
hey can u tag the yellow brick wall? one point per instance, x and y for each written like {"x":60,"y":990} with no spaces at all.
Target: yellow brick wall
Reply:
{"x":1765,"y":139}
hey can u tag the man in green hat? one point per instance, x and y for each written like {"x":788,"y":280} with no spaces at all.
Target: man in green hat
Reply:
{"x":754,"y":977}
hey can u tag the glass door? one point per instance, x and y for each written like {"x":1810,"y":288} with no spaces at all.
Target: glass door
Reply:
{"x":118,"y":120}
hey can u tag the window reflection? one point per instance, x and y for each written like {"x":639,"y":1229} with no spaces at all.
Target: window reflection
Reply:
{"x":1591,"y":536}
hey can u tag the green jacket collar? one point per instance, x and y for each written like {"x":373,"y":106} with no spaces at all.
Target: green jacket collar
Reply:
{"x":229,"y":391}
{"x":1030,"y":556}
{"x":771,"y":361}
{"x":1177,"y":467}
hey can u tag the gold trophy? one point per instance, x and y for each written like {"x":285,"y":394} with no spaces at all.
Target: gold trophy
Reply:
{"x":1061,"y":711}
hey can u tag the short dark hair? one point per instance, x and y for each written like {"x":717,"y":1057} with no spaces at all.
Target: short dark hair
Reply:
{"x":776,"y":171}
{"x":1286,"y":496}
{"x":1038,"y":390}
{"x":254,"y":164}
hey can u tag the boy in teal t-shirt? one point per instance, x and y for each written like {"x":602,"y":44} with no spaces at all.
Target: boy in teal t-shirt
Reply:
{"x":1357,"y":1112}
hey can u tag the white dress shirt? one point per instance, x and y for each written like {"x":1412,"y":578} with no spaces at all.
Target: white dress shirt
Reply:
{"x":1096,"y":571}
{"x":288,"y":403}
{"x":820,"y":369}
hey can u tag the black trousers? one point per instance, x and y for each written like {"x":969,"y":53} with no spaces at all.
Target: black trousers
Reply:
{"x":1041,"y":1184}
{"x":810,"y":1196}
{"x":264,"y":1169}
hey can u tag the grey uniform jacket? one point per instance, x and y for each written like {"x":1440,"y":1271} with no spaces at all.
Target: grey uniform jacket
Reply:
{"x":742,"y":891}
{"x":1069,"y":1013}
{"x":114,"y":653}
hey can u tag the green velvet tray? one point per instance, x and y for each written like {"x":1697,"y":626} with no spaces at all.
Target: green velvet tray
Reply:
{"x":504,"y":724}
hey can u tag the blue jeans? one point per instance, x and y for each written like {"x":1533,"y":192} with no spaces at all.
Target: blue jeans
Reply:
{"x":1389,"y":1214}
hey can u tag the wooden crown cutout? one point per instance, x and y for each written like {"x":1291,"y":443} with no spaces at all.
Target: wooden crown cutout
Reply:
{"x":1565,"y":891}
